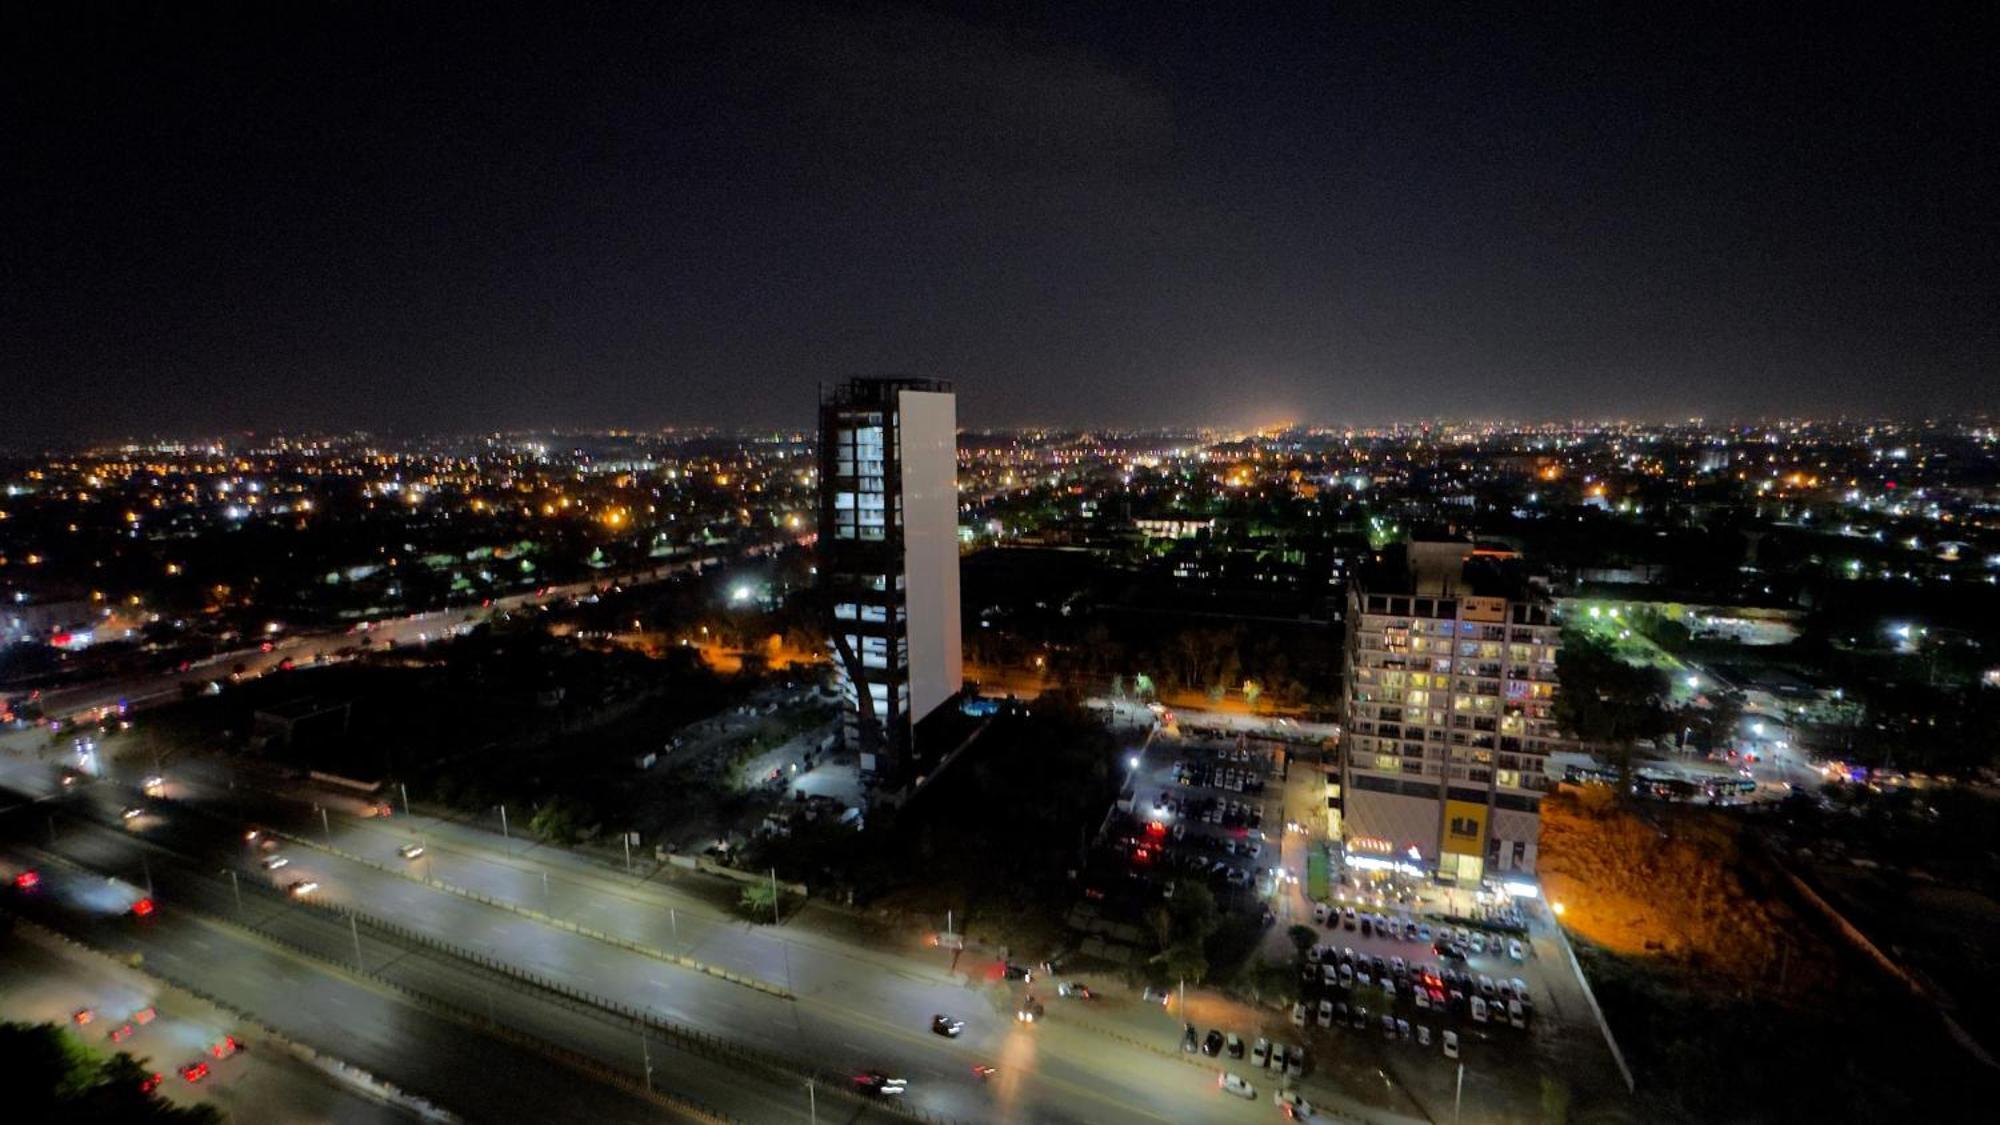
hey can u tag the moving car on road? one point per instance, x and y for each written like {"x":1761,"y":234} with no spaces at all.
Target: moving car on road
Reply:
{"x":410,"y":851}
{"x":1294,"y":1106}
{"x":944,"y":1025}
{"x":1232,"y":1084}
{"x":880,"y":1085}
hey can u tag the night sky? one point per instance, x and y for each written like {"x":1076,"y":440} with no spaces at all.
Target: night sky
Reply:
{"x":323,"y":216}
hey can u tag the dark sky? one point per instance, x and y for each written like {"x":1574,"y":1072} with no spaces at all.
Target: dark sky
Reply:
{"x":315,"y":215}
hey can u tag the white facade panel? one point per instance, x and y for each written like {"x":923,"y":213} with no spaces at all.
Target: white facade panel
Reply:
{"x":928,"y":425}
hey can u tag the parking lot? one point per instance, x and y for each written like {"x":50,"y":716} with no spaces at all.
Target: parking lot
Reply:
{"x":1204,"y":812}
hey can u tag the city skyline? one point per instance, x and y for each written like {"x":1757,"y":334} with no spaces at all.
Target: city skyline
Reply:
{"x":408,"y":221}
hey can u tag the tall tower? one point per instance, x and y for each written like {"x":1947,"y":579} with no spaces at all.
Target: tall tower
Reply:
{"x":888,"y":559}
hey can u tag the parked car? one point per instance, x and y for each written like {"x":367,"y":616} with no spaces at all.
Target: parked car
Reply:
{"x":1451,"y":1044}
{"x":1260,"y":1055}
{"x":1299,"y":1014}
{"x":1295,"y":1062}
{"x":1326,"y":1013}
{"x":1233,"y":1045}
{"x":1212,"y":1046}
{"x":1423,"y":1035}
{"x":1514,"y":950}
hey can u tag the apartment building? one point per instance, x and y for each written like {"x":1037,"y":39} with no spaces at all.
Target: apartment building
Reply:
{"x":1451,"y":682}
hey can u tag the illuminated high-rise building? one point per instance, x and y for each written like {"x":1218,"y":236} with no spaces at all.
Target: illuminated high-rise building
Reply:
{"x":1449,"y":713}
{"x":888,"y":560}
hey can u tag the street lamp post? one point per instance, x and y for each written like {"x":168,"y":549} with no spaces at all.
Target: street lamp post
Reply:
{"x":1458,"y":1094}
{"x":812,"y":1102}
{"x":327,"y":826}
{"x":406,"y":797}
{"x":503,"y":823}
{"x":238,"y":888}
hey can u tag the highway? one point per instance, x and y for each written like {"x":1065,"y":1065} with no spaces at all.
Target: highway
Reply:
{"x":853,"y":1012}
{"x":93,"y":700}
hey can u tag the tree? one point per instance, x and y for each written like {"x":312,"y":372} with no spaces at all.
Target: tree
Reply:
{"x":1186,"y":963}
{"x":758,"y":900}
{"x":1607,"y":702}
{"x":560,"y":820}
{"x":1272,"y":983}
{"x":1303,"y":937}
{"x":50,"y":1076}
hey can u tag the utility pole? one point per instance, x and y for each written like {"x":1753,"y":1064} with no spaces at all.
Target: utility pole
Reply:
{"x":646,"y":1053}
{"x":406,"y":797}
{"x":774,"y":896}
{"x":503,"y":823}
{"x":1458,"y":1094}
{"x":354,"y":928}
{"x":812,"y":1102}
{"x":675,"y":921}
{"x":238,"y":888}
{"x":327,"y":825}
{"x":626,"y":839}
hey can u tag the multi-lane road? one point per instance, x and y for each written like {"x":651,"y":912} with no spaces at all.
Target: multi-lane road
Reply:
{"x":835,"y":1008}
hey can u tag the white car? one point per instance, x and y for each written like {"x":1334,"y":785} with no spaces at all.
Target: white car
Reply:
{"x":1260,"y":1055}
{"x":1299,"y":1014}
{"x":1326,"y":1013}
{"x":273,"y":862}
{"x":1514,"y":950}
{"x":1423,"y":1035}
{"x":1478,"y":1009}
{"x":1294,"y":1106}
{"x":1231,"y":1084}
{"x":410,"y":851}
{"x":1451,"y":1044}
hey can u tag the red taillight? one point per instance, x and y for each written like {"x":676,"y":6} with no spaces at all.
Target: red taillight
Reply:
{"x":143,"y":907}
{"x":27,"y":880}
